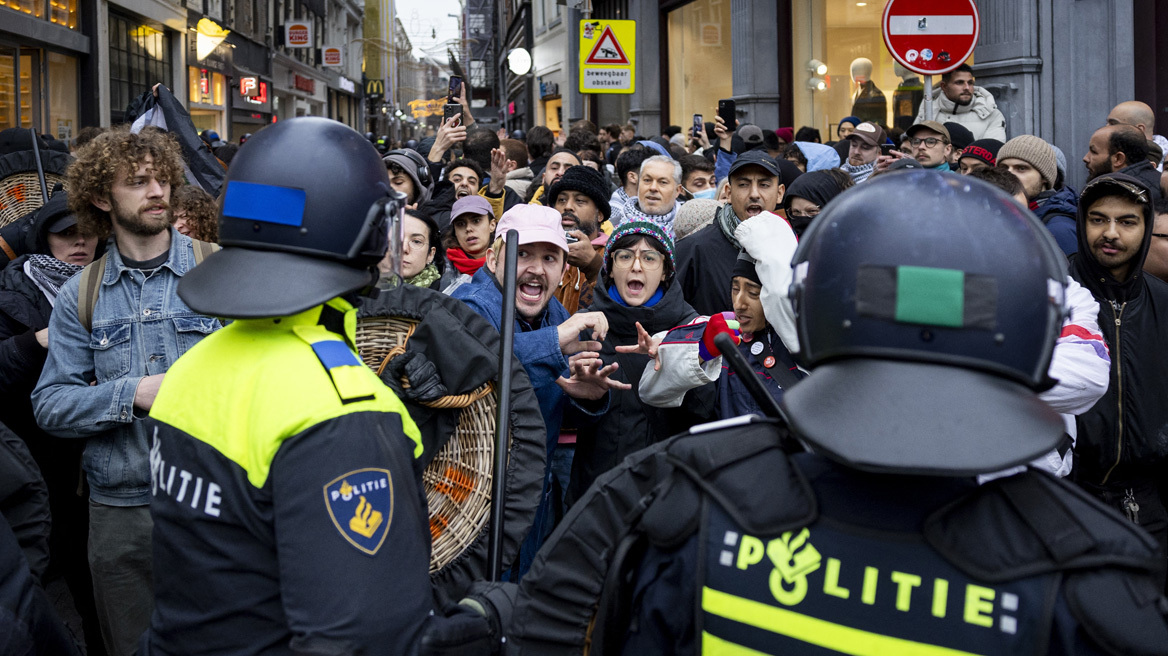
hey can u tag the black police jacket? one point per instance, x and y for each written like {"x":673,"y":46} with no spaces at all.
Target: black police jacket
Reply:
{"x":719,"y":538}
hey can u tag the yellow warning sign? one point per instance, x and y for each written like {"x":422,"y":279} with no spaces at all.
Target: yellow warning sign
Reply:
{"x":608,"y":56}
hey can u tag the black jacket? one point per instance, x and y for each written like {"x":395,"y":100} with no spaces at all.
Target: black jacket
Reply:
{"x":24,"y":501}
{"x":28,"y":624}
{"x":24,"y":309}
{"x":442,"y":201}
{"x":1145,"y":172}
{"x":1124,"y":437}
{"x":630,"y":425}
{"x":705,"y":261}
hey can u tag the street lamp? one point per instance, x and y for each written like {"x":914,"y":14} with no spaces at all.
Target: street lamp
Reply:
{"x":519,"y":61}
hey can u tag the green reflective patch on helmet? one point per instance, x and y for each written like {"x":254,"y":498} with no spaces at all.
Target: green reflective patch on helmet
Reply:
{"x":929,"y":296}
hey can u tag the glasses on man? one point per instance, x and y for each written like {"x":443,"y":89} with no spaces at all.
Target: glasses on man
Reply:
{"x":927,"y":141}
{"x":623,"y":258}
{"x":809,"y":214}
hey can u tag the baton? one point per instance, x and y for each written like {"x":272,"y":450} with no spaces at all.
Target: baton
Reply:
{"x":503,"y":415}
{"x":36,"y":151}
{"x":733,"y":357}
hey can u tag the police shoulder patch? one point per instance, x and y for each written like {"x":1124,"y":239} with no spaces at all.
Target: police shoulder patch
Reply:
{"x":360,"y":503}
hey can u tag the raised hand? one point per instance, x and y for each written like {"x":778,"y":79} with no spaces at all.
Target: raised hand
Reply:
{"x":570,"y":330}
{"x":590,"y":378}
{"x":646,"y":345}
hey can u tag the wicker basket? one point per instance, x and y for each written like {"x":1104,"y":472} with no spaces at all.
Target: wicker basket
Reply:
{"x":458,"y":479}
{"x":20,"y":194}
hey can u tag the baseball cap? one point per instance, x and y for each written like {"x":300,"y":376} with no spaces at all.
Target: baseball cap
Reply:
{"x":905,"y":163}
{"x":751,"y":135}
{"x":472,"y":204}
{"x":756,"y":158}
{"x":535,"y":223}
{"x":869,"y":133}
{"x":929,"y":125}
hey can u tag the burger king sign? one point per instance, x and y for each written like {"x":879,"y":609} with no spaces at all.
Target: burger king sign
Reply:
{"x":298,"y":34}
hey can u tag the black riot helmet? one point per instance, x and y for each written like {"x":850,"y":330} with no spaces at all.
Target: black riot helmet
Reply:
{"x":307,"y":213}
{"x":928,"y":306}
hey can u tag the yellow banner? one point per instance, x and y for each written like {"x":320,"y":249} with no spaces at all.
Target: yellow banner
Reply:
{"x":422,"y":108}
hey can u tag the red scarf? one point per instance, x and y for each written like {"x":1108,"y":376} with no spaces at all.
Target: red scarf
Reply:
{"x":463,"y":262}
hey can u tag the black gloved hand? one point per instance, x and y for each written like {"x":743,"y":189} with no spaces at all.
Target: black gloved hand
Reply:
{"x":458,"y":631}
{"x":425,"y":384}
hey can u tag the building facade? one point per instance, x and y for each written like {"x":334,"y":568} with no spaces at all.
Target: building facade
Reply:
{"x":70,"y":63}
{"x":802,"y":62}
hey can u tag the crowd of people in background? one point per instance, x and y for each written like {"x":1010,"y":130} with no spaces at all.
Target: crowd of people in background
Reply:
{"x":634,"y":251}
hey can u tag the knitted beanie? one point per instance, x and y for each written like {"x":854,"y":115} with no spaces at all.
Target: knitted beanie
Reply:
{"x":638,"y":228}
{"x":983,"y":150}
{"x":586,"y":181}
{"x":1035,"y":152}
{"x":694,"y":215}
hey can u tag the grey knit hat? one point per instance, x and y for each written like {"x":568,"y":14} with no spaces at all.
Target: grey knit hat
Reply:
{"x":1035,"y":152}
{"x":694,"y":215}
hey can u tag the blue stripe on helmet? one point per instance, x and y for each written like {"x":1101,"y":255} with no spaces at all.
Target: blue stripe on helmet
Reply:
{"x":268,"y":203}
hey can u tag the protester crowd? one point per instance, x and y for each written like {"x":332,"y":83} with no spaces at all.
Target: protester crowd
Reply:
{"x":635,"y":252}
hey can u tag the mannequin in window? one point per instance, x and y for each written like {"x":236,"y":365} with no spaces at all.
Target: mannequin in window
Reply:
{"x":868,"y":103}
{"x":906,"y":98}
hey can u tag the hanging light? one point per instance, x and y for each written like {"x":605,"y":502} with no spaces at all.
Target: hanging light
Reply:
{"x":519,"y":61}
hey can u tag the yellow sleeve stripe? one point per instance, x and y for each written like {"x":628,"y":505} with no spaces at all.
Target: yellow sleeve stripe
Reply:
{"x":813,"y":631}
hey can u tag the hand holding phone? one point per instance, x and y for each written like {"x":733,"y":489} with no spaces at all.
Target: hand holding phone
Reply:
{"x":450,"y":110}
{"x":455,"y":89}
{"x":698,"y":125}
{"x":728,"y":112}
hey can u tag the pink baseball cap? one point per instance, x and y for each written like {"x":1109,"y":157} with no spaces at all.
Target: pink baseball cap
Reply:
{"x":535,"y":223}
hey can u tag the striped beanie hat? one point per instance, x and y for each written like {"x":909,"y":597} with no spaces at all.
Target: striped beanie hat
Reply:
{"x":639,"y":228}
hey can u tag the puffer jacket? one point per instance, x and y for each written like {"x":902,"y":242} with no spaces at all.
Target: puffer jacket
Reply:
{"x":1057,"y":209}
{"x":981,"y":116}
{"x":630,"y":424}
{"x":519,"y":179}
{"x":1123,"y":438}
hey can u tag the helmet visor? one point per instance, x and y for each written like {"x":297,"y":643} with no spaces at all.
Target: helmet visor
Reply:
{"x":383,"y":235}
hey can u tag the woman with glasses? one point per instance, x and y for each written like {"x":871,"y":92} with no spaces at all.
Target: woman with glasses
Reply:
{"x":637,"y":294}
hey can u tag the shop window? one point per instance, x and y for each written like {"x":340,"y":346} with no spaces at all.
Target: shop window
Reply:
{"x":8,"y":113}
{"x":63,"y":12}
{"x":206,"y":87}
{"x":31,"y":7}
{"x":139,"y":58}
{"x":699,"y":59}
{"x":63,"y":95}
{"x":27,"y":94}
{"x":843,"y":69}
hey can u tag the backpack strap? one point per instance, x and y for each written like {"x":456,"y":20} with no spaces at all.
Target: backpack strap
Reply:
{"x":92,"y":274}
{"x":203,"y":249}
{"x":91,"y":277}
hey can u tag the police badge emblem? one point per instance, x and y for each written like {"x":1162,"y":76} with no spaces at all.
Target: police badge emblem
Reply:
{"x":360,"y":503}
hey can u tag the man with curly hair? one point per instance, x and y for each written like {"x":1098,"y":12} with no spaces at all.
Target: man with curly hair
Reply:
{"x":109,"y":348}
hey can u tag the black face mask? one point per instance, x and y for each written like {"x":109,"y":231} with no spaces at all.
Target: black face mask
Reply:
{"x":799,"y":224}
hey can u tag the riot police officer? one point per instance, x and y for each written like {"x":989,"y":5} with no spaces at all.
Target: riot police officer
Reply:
{"x":288,"y":512}
{"x":929,"y":333}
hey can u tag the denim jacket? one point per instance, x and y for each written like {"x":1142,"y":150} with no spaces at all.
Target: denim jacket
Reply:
{"x":140,"y":327}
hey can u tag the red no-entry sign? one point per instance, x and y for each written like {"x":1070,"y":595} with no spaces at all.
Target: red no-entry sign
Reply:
{"x":930,"y":37}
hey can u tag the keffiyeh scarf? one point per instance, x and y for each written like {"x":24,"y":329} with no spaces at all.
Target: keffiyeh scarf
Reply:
{"x":49,"y":274}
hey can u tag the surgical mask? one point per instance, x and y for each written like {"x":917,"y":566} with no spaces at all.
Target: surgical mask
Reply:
{"x":710,"y":193}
